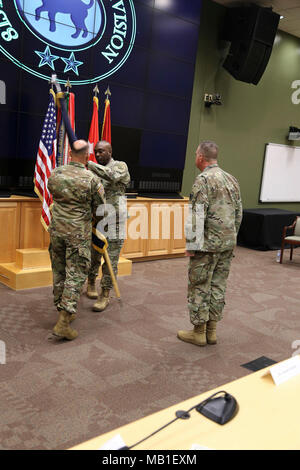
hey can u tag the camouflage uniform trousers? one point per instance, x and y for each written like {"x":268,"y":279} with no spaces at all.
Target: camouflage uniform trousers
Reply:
{"x":70,"y":261}
{"x":114,"y":248}
{"x":207,"y":278}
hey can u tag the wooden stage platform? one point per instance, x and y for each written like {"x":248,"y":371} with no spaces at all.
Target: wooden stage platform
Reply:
{"x":155,"y":230}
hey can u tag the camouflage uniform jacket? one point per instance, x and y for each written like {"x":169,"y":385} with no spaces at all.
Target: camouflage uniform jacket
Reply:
{"x":76,"y":195}
{"x":115,"y":178}
{"x":217,"y":193}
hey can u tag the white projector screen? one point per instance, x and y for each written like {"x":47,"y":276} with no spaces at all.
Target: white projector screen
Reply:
{"x":281,"y":174}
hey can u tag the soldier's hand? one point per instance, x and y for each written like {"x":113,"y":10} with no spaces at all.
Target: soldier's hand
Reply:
{"x":189,"y":253}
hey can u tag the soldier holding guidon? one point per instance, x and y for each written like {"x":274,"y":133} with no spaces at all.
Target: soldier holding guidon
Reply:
{"x":115,"y":178}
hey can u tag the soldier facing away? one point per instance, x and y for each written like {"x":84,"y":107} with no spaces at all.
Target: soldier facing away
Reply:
{"x":211,"y":235}
{"x":115,"y":178}
{"x":76,"y":195}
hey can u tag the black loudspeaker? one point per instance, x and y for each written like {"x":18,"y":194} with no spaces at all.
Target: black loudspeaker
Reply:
{"x":251,"y":30}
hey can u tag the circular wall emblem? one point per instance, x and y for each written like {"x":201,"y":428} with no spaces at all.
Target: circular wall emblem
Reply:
{"x":81,"y":39}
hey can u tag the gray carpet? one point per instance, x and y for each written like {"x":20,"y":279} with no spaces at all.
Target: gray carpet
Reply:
{"x":127,"y":361}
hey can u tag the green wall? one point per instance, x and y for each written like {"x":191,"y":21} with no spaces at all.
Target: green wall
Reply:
{"x":251,"y":115}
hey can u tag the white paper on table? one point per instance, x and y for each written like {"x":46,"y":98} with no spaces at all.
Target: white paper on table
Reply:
{"x":199,"y":447}
{"x":114,"y":444}
{"x":285,"y":370}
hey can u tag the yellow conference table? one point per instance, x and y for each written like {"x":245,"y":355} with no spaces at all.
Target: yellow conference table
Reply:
{"x":268,"y":419}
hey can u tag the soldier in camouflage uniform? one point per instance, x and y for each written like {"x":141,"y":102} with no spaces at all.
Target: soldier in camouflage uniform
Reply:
{"x":115,"y":178}
{"x":76,"y":195}
{"x":211,"y":234}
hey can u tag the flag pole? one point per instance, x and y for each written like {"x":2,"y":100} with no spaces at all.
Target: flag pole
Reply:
{"x":94,"y":126}
{"x":106,"y":256}
{"x":51,"y":83}
{"x":96,"y":91}
{"x":68,"y":85}
{"x":113,"y":278}
{"x":69,"y":97}
{"x":106,"y":127}
{"x":70,"y":132}
{"x":107,"y":93}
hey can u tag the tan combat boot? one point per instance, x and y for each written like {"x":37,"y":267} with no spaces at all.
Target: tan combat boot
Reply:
{"x":211,"y":335}
{"x":62,"y":328}
{"x":196,"y":336}
{"x":72,"y":317}
{"x":102,"y":302}
{"x":91,"y":290}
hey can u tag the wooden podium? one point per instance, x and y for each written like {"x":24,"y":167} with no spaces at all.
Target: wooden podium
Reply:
{"x":24,"y":257}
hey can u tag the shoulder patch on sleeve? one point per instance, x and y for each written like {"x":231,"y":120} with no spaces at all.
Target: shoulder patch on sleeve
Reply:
{"x":100,"y":190}
{"x":120,"y":164}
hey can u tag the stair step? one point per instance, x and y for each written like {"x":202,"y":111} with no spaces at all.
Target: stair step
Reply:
{"x":17,"y":279}
{"x":32,"y":258}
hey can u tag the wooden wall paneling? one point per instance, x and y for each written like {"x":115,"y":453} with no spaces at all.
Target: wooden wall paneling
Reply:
{"x":9,"y":231}
{"x":32,"y":231}
{"x":136,"y":243}
{"x":178,"y":220}
{"x":147,"y":229}
{"x":160,"y":229}
{"x":46,"y":239}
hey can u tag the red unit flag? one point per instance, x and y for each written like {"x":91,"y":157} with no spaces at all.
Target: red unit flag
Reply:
{"x":106,"y":128}
{"x":94,"y":130}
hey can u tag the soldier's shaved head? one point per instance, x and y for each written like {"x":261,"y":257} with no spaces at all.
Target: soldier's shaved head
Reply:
{"x":209,"y":150}
{"x":106,"y":144}
{"x":103,"y":152}
{"x":80,"y":146}
{"x":206,"y":154}
{"x":80,"y":151}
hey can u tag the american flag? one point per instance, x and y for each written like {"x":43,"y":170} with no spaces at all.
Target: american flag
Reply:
{"x":46,"y":161}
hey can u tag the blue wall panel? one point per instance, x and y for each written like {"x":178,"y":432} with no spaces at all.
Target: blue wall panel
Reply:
{"x":150,"y":75}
